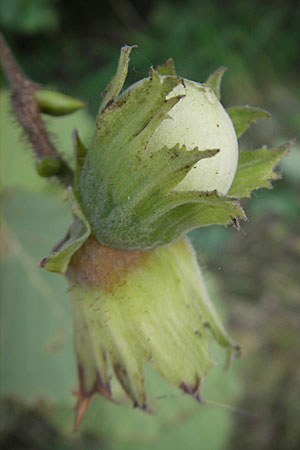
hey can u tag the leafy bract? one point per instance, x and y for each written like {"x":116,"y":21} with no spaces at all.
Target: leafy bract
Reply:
{"x":80,"y":152}
{"x":142,"y":211}
{"x":59,"y":258}
{"x":127,"y":326}
{"x":168,"y":68}
{"x":126,"y":191}
{"x":243,"y":116}
{"x":215,"y":79}
{"x":115,"y":85}
{"x":255,"y":169}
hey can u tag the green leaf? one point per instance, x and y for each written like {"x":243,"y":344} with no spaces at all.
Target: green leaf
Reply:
{"x":242,"y":116}
{"x":168,"y":68}
{"x":36,"y":327}
{"x":114,"y":87}
{"x":215,"y":79}
{"x":255,"y":169}
{"x":59,"y":258}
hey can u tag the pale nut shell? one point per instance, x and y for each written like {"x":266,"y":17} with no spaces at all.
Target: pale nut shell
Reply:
{"x":199,"y":120}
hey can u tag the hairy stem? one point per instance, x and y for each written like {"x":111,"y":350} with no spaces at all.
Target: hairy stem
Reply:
{"x":28,"y":112}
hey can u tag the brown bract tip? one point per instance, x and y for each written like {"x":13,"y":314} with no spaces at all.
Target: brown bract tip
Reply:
{"x":84,"y":396}
{"x":144,"y":408}
{"x":192,"y":390}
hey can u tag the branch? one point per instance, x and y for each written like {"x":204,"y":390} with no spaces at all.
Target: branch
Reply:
{"x":28,"y":114}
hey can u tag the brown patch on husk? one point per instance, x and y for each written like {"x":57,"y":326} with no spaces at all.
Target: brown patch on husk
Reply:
{"x":96,"y":265}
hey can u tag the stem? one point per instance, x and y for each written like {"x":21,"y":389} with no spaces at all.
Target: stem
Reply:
{"x":28,"y":112}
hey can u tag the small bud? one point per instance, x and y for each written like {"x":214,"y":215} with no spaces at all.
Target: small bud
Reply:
{"x":56,"y":104}
{"x":47,"y":167}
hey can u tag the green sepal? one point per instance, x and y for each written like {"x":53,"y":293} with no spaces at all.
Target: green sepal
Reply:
{"x":115,"y":85}
{"x":59,"y":258}
{"x":243,"y":116}
{"x":168,"y":68}
{"x":48,"y":167}
{"x":55,"y":103}
{"x":255,"y":169}
{"x":80,"y":152}
{"x":215,"y":79}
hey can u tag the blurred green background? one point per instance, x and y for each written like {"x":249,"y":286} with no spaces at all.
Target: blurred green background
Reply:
{"x":253,"y":274}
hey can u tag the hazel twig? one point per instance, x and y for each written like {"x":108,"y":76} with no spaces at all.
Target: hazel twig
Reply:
{"x":28,"y":114}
